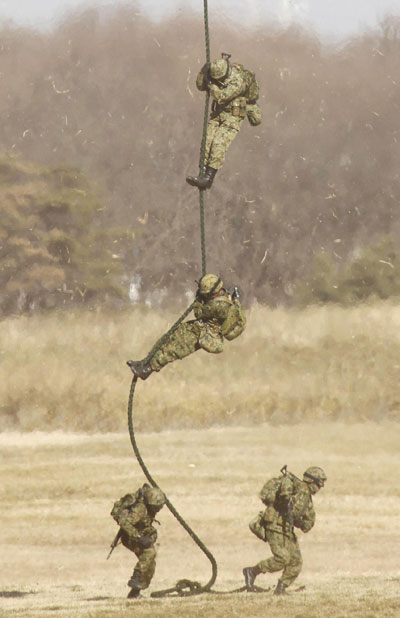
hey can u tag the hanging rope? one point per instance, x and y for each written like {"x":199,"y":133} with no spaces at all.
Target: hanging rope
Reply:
{"x":203,"y":148}
{"x":184,"y":587}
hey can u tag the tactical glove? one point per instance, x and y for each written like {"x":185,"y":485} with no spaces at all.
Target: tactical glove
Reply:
{"x":144,"y":541}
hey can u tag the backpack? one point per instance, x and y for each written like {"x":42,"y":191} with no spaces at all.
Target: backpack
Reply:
{"x":125,"y":502}
{"x":253,"y":90}
{"x":234,"y":323}
{"x":254,"y":114}
{"x":257,"y":526}
{"x":253,"y":110}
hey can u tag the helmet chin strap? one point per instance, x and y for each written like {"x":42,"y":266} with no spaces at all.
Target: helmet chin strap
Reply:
{"x":214,"y":287}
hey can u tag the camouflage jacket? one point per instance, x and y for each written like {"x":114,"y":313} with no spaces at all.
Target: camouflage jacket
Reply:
{"x":289,"y":504}
{"x":234,"y":86}
{"x":219,"y":318}
{"x":135,"y":521}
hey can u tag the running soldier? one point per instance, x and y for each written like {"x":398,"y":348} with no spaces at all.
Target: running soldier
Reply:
{"x":219,"y":316}
{"x":234,"y":91}
{"x":289,"y":505}
{"x":135,"y":513}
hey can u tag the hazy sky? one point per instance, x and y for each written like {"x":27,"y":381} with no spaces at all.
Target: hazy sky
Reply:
{"x":335,"y":18}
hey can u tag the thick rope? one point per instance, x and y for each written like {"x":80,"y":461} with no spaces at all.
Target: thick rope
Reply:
{"x":183,"y":587}
{"x":203,"y":148}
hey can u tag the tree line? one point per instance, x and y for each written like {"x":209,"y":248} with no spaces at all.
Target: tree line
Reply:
{"x":111,"y":94}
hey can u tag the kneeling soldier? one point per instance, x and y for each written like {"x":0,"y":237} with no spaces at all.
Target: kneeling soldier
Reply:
{"x":135,"y":514}
{"x":219,"y":316}
{"x":289,"y":505}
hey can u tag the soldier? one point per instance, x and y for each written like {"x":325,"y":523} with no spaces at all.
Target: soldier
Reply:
{"x":135,"y":514}
{"x":234,"y":91}
{"x":289,"y":505}
{"x":219,"y":316}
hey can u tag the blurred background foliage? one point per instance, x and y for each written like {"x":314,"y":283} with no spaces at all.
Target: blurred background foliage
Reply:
{"x":101,"y":122}
{"x":52,"y":253}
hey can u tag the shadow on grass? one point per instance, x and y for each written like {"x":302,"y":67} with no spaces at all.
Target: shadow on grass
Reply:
{"x":13,"y":594}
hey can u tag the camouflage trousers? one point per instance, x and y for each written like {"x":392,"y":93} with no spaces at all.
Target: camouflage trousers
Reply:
{"x":286,"y":556}
{"x":221,"y":131}
{"x":188,"y":337}
{"x":144,"y":568}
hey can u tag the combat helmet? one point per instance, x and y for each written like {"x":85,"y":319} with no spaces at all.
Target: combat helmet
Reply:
{"x":153,"y":496}
{"x":316,"y":475}
{"x":219,"y":68}
{"x":209,"y":284}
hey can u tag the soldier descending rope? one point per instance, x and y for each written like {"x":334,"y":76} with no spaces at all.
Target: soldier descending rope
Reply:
{"x":289,"y":505}
{"x":219,"y":316}
{"x":234,"y":91}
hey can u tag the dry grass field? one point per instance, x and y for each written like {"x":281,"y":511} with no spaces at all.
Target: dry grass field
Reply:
{"x":57,"y":490}
{"x":67,"y":371}
{"x":319,"y":386}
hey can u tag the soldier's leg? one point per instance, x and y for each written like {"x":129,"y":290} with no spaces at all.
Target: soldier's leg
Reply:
{"x":222,"y":139}
{"x":286,"y":557}
{"x":184,"y":341}
{"x":205,"y":179}
{"x":280,"y":555}
{"x":144,"y":569}
{"x":212,"y":129}
{"x":293,"y":567}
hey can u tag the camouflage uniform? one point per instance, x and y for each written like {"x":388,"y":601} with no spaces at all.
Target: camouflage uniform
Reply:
{"x":219,"y":316}
{"x":289,"y":505}
{"x":279,"y":531}
{"x":228,"y":113}
{"x":135,"y":518}
{"x":216,"y":318}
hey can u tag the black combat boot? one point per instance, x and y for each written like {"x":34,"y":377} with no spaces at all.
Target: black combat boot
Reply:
{"x":134,"y":585}
{"x":204,"y":180}
{"x":140,"y":369}
{"x":250,"y":573}
{"x":134,"y":593}
{"x":280,"y":588}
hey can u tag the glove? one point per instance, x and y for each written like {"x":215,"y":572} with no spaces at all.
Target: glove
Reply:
{"x":205,"y":69}
{"x":144,"y":541}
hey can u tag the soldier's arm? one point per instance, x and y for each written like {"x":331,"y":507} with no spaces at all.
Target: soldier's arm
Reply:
{"x":198,"y":309}
{"x":129,"y":519}
{"x":236,"y":87}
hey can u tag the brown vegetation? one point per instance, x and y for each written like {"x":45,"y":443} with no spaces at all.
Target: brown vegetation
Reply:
{"x":114,"y":93}
{"x":52,"y":253}
{"x":67,"y":370}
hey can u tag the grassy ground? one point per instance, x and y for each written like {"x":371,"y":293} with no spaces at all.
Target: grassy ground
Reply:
{"x":57,"y":491}
{"x":67,"y":371}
